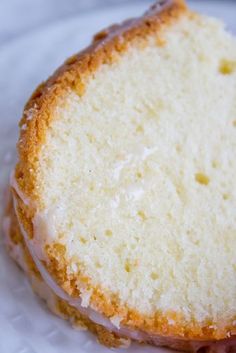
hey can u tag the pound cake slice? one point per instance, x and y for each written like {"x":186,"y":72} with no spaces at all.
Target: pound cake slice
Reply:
{"x":125,"y":192}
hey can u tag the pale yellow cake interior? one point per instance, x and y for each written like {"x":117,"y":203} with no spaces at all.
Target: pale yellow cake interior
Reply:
{"x":138,"y":176}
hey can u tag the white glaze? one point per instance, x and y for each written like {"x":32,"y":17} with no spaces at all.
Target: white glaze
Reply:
{"x":14,"y":249}
{"x":17,"y":189}
{"x":44,"y":230}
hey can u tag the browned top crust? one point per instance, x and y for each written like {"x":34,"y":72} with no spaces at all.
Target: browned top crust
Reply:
{"x":37,"y":117}
{"x":38,"y":112}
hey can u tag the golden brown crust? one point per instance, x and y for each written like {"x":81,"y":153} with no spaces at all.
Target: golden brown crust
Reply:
{"x":68,"y":312}
{"x":38,"y":116}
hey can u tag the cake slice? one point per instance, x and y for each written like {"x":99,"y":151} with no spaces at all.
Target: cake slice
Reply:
{"x":125,"y":190}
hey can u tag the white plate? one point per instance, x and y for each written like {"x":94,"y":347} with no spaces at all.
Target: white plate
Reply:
{"x":26,"y":326}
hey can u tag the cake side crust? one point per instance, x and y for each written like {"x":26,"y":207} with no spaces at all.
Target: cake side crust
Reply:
{"x":15,"y":244}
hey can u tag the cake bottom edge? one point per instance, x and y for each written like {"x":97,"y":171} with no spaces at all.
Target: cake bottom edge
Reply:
{"x":18,"y":250}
